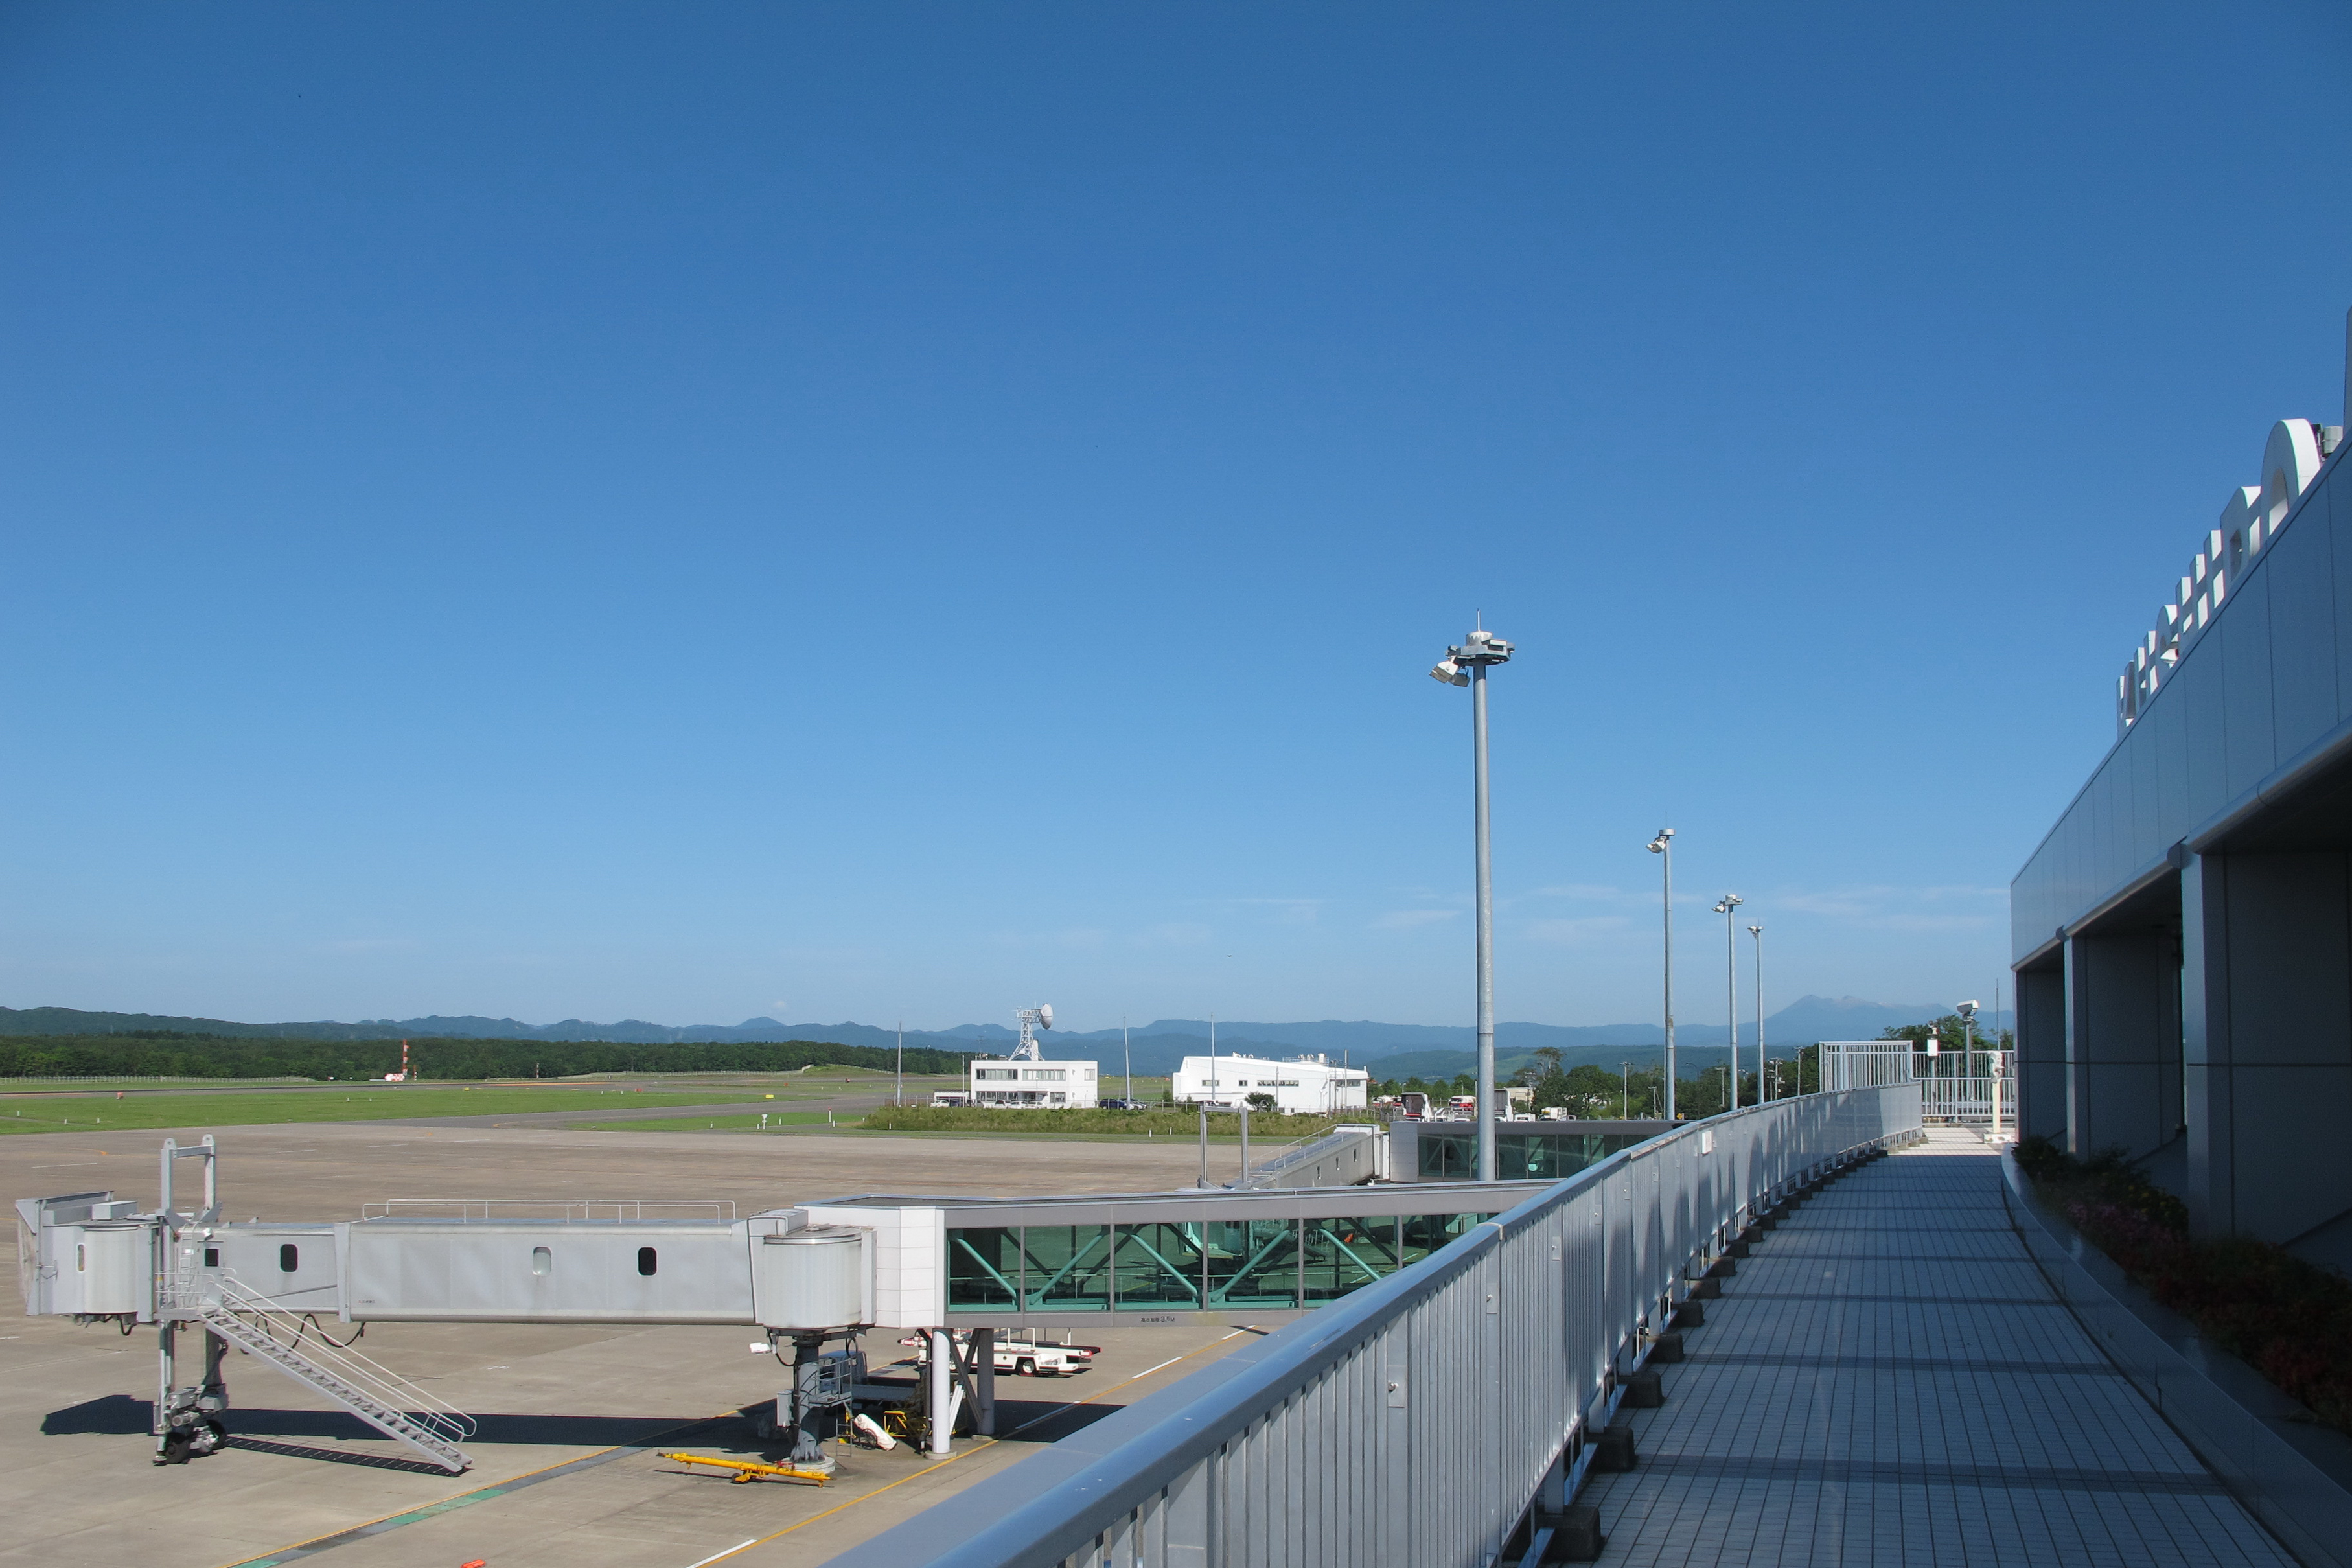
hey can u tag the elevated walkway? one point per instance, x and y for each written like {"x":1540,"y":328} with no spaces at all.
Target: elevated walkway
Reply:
{"x":1887,"y":1379}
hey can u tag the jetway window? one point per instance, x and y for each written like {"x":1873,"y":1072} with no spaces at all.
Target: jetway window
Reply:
{"x":1346,"y":1255}
{"x":1251,"y":1262}
{"x":541,"y":1261}
{"x":289,"y":1257}
{"x":1424,"y":1233}
{"x":983,"y":1268}
{"x":1159,"y":1266}
{"x":647,"y":1261}
{"x":1067,"y":1267}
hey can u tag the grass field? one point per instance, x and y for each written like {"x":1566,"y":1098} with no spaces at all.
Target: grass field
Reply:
{"x":92,"y":1112}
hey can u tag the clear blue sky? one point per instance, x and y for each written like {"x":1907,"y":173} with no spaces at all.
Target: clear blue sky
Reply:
{"x":868,"y":510}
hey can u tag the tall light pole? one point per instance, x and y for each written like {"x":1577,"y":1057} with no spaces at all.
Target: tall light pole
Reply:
{"x":1466,"y":665}
{"x":1664,"y":844}
{"x":1758,"y":933}
{"x":1968,"y":1012}
{"x":1724,"y":906}
{"x":1129,"y":1057}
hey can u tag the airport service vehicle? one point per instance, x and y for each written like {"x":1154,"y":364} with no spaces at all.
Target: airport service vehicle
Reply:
{"x":1022,"y":1354}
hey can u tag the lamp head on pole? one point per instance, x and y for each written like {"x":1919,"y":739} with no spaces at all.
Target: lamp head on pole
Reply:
{"x":1756,"y":930}
{"x":1663,"y":842}
{"x":1479,"y":648}
{"x":1729,"y":903}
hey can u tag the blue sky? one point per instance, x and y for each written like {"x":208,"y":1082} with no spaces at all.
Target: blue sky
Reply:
{"x":862,"y":511}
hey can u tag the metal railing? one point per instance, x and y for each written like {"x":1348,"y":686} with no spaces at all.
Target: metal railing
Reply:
{"x":616,"y":1210}
{"x":1302,"y":1151}
{"x":1955,"y":1086}
{"x":1968,"y":1099}
{"x":1413,"y":1423}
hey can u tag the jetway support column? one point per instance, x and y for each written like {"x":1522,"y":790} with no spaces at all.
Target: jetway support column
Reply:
{"x":939,"y":1390}
{"x":983,"y":1381}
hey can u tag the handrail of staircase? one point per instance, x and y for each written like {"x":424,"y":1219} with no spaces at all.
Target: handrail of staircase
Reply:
{"x":371,"y":1377}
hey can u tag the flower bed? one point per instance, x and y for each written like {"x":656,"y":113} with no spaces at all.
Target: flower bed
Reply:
{"x":2289,"y":1320}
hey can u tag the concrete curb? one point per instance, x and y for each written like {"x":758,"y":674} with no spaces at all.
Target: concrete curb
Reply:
{"x":2293,"y":1474}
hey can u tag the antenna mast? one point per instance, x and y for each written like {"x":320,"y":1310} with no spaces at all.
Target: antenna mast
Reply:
{"x":1030,"y":1019}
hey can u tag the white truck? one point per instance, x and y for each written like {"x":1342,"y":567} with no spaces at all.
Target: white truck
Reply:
{"x":1022,"y":1354}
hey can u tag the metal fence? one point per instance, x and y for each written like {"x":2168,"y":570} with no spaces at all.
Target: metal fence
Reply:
{"x":1413,"y":1423}
{"x":1955,"y":1086}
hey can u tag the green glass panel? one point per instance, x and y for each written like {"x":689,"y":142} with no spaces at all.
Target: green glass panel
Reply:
{"x":1428,"y":1233}
{"x":1252,"y":1263}
{"x":1448,"y":1156}
{"x":1344,"y":1255}
{"x":1067,"y":1267}
{"x":1157,"y":1265}
{"x":983,"y":1270}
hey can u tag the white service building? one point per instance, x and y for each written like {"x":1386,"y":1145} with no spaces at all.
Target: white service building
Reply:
{"x":1311,"y":1084}
{"x":1050,"y":1085}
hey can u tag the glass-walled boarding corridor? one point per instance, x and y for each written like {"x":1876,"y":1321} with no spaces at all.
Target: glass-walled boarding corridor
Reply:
{"x":1196,"y":1265}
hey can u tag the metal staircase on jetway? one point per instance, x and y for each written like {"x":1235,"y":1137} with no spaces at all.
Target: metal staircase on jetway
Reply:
{"x":386,"y":1401}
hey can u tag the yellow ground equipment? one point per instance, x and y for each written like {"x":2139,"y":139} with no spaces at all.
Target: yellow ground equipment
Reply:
{"x":746,"y":1470}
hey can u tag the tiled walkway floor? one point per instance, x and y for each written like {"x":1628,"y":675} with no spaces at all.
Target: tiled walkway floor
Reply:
{"x":1887,"y":1380}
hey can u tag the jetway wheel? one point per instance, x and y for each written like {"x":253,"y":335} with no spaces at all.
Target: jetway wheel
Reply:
{"x":193,"y":1442}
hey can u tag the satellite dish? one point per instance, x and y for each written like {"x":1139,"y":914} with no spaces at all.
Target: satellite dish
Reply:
{"x":1044,"y":1018}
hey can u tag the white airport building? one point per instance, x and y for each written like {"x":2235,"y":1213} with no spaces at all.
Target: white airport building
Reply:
{"x":1304,"y":1084}
{"x":1018,"y":1082}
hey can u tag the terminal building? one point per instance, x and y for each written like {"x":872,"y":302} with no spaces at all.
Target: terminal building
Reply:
{"x":2182,"y":939}
{"x":1060,"y":1086}
{"x":1308,"y":1085}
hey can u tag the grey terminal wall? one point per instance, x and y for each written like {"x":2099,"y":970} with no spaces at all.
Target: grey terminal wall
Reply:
{"x":2182,"y":938}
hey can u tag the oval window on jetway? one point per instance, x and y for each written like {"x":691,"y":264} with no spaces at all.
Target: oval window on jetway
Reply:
{"x":289,"y":1257}
{"x":647,"y":1261}
{"x":541,"y":1261}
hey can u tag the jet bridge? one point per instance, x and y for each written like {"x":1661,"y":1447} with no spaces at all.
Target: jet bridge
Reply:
{"x":800,"y":1277}
{"x":810,"y":1280}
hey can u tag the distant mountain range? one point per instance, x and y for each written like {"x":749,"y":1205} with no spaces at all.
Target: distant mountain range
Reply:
{"x":1155,"y":1048}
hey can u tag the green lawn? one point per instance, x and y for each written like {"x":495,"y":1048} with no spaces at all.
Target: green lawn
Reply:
{"x":97,"y":1112}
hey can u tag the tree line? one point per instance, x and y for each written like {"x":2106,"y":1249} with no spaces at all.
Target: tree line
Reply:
{"x":166,"y":1054}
